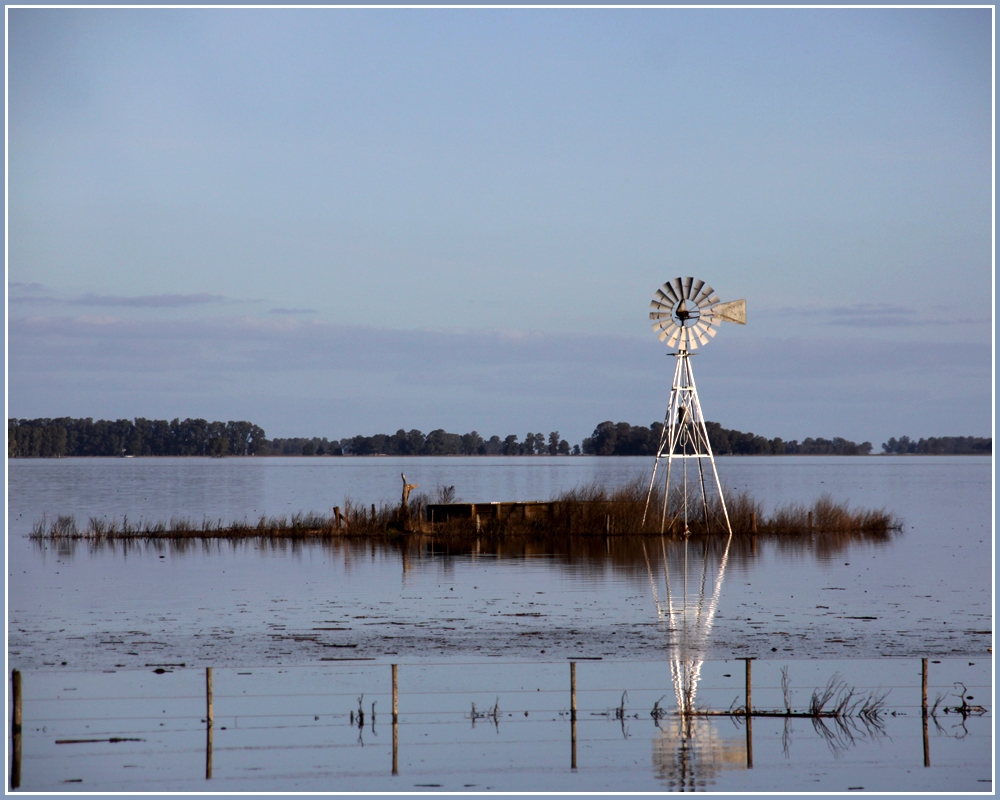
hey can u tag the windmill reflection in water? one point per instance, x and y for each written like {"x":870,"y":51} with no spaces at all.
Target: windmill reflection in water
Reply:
{"x":689,"y":751}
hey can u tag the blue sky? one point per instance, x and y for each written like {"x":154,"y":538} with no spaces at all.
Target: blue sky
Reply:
{"x":348,"y":221}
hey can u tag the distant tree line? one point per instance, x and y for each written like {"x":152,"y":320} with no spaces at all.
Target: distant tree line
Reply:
{"x":940,"y":445}
{"x":64,"y":436}
{"x":441,"y":443}
{"x":622,"y":439}
{"x":301,"y":446}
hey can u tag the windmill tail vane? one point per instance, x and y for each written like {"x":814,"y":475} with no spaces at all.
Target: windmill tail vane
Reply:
{"x":685,"y":313}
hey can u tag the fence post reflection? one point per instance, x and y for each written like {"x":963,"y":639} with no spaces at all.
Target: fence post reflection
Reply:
{"x":395,"y":748}
{"x":749,"y":705}
{"x":208,"y":752}
{"x":923,"y":711}
{"x":209,"y":723}
{"x":572,"y":713}
{"x":395,"y":720}
{"x":15,"y":730}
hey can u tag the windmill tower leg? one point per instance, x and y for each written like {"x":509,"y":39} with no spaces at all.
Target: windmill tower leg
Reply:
{"x":685,"y":436}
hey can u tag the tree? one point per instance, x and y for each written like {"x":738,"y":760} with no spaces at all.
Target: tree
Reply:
{"x":473,"y":444}
{"x":553,"y":443}
{"x":441,"y":443}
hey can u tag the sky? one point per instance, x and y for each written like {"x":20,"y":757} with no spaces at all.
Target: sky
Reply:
{"x":332,"y":222}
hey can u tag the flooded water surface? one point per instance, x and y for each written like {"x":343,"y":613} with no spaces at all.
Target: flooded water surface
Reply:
{"x":664,"y":620}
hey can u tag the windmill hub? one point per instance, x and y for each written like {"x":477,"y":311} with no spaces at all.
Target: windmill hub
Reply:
{"x":683,"y":315}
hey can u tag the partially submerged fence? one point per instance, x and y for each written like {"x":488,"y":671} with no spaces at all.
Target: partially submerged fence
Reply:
{"x":64,"y":720}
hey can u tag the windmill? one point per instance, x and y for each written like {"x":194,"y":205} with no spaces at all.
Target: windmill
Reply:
{"x":685,"y":313}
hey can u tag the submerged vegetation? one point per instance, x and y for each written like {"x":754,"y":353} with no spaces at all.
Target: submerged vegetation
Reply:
{"x":587,"y":511}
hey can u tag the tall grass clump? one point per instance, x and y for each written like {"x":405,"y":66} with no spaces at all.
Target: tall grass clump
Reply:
{"x":589,"y":510}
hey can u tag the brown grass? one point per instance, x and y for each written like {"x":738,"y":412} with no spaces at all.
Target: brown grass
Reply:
{"x":586,"y":511}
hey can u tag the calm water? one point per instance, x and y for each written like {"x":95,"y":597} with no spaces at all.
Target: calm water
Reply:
{"x":925,"y":592}
{"x":290,"y":729}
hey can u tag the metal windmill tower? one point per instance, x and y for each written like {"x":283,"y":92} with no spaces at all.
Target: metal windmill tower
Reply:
{"x":685,"y":313}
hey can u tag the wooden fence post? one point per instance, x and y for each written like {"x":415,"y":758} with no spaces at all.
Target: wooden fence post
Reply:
{"x":749,"y":686}
{"x":15,"y":725}
{"x":395,"y":694}
{"x":572,"y":690}
{"x":923,"y":686}
{"x":209,"y":704}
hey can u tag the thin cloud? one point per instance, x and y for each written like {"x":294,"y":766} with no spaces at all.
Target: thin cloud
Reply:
{"x":876,"y":315}
{"x":379,"y":378}
{"x":293,"y":311}
{"x":148,"y":300}
{"x":29,"y":293}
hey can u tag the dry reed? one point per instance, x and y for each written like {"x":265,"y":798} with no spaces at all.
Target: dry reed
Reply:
{"x":592,"y":510}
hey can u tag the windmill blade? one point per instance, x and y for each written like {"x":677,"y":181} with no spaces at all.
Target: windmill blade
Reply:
{"x":703,"y":294}
{"x":686,"y":312}
{"x":733,"y":311}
